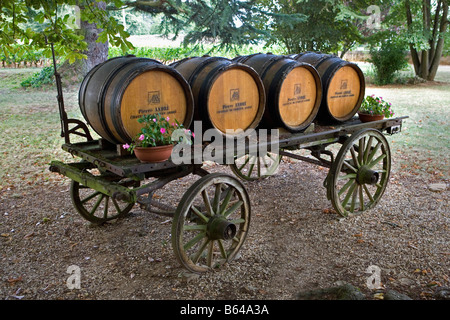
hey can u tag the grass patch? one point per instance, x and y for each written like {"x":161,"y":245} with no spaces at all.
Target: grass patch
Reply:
{"x":423,"y":146}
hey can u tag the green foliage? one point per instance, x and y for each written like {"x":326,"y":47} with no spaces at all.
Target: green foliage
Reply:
{"x":387,"y":60}
{"x":169,"y":54}
{"x":19,"y":54}
{"x":304,"y":25}
{"x":34,"y":22}
{"x":37,"y":80}
{"x":376,"y":106}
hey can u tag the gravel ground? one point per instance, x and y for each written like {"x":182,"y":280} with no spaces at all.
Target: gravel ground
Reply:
{"x":296,"y":243}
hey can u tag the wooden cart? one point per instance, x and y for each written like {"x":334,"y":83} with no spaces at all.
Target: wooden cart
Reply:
{"x":212,"y":219}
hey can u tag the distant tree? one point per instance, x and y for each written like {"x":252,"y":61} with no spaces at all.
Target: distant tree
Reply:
{"x":427,"y":24}
{"x":321,"y":25}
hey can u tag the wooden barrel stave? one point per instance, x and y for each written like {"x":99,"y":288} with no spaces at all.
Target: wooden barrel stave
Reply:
{"x":342,"y":82}
{"x":114,"y":94}
{"x":293,"y":90}
{"x":227,"y":95}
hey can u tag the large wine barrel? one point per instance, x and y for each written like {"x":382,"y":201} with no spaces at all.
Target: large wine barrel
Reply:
{"x":343,"y":86}
{"x":115,"y":93}
{"x":293,"y":90}
{"x":228,"y":96}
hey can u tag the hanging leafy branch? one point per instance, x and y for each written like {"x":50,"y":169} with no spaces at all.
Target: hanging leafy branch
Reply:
{"x":15,"y":18}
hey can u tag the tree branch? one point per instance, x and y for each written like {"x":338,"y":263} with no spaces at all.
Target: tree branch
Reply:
{"x":414,"y":55}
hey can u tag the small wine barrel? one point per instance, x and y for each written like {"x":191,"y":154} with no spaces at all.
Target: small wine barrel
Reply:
{"x":343,"y":86}
{"x":293,"y":90}
{"x":227,"y":95}
{"x":115,"y":93}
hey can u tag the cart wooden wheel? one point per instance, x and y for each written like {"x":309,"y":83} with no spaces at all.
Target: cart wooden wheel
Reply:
{"x":360,"y":173}
{"x":96,"y":206}
{"x":210,"y":223}
{"x":251,"y":167}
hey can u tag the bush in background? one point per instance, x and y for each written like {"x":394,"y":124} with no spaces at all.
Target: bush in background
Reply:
{"x":39,"y":79}
{"x":389,"y":58}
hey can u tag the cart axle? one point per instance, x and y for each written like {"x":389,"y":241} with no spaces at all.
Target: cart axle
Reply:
{"x":220,"y":228}
{"x":366,"y":175}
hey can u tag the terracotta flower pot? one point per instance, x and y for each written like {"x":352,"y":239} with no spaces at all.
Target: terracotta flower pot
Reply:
{"x":153,"y":154}
{"x":364,"y":117}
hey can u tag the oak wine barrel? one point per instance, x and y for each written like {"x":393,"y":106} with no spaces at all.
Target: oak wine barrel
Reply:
{"x":115,"y":93}
{"x":343,"y":85}
{"x":227,"y":95}
{"x":293,"y":90}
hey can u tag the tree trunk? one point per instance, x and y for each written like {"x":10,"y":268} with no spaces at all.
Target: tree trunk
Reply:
{"x":427,"y":62}
{"x":97,"y":51}
{"x":440,"y":43}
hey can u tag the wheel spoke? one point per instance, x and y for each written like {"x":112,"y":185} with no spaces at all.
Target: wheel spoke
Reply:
{"x":373,"y":152}
{"x":226,"y":201}
{"x":237,"y":221}
{"x":362,"y":143}
{"x":232,"y":209}
{"x":374,"y":162}
{"x":348,"y":165}
{"x":345,"y":187}
{"x":354,"y":195}
{"x":210,"y":254}
{"x":216,"y":200}
{"x":354,"y":157}
{"x":105,"y":210}
{"x":361,"y":198}
{"x":349,"y":194}
{"x":116,"y":205}
{"x":245,"y":162}
{"x":199,"y":252}
{"x":347,"y":176}
{"x":223,"y":252}
{"x":368,"y":193}
{"x":250,"y":170}
{"x":90,"y":197}
{"x":207,"y":202}
{"x":195,"y":227}
{"x":265,"y":162}
{"x":367,"y":150}
{"x":94,"y":208}
{"x":259,"y":166}
{"x":199,"y":214}
{"x":194,"y":240}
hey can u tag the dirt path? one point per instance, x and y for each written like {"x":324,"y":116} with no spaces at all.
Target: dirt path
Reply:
{"x":296,"y":243}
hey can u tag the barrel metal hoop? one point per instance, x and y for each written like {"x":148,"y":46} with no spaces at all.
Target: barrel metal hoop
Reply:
{"x":207,"y":60}
{"x":104,"y":88}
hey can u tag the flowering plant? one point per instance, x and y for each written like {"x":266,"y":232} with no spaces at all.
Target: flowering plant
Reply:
{"x":376,"y":106}
{"x":158,"y":131}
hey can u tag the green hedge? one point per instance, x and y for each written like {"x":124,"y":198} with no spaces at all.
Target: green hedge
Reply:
{"x":21,"y":55}
{"x":169,"y":54}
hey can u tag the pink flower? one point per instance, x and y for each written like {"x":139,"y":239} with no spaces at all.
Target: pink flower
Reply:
{"x":193,"y":135}
{"x":154,"y":120}
{"x":163,"y":130}
{"x":141,"y":137}
{"x":167,"y":118}
{"x":126,"y":146}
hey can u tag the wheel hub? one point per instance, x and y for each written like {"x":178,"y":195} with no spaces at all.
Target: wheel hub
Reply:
{"x":366,"y":175}
{"x":220,"y":228}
